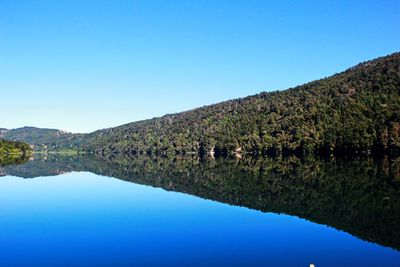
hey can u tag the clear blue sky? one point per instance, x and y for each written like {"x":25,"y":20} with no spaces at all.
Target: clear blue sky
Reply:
{"x":84,"y":65}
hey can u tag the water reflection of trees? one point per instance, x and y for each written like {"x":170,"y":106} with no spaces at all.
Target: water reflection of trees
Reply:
{"x":13,"y":159}
{"x":359,"y":196}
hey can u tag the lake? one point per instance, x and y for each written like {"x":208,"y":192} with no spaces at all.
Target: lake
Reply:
{"x":85,"y":211}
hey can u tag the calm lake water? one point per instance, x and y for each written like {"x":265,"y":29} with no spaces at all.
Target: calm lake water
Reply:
{"x":81,"y":211}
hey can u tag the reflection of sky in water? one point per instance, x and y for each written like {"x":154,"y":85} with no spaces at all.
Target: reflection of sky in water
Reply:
{"x":81,"y":219}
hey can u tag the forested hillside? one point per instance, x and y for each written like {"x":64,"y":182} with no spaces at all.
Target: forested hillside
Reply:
{"x":356,"y":111}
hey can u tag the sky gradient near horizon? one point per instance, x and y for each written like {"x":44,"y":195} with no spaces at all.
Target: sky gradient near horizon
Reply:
{"x":85,"y":65}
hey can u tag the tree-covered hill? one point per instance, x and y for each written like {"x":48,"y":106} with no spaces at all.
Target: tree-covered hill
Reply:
{"x":355,"y":111}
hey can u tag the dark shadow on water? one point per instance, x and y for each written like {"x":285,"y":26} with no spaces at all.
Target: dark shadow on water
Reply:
{"x":358,"y":196}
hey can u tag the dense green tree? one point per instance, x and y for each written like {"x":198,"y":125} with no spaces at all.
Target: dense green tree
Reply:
{"x":14,"y":148}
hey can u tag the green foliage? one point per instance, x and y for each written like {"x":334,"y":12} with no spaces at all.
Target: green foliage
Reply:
{"x":14,"y":148}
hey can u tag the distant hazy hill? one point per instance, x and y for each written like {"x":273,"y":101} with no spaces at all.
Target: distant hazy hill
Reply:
{"x":42,"y":138}
{"x":355,"y":111}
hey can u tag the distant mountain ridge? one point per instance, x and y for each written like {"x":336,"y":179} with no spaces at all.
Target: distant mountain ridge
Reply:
{"x":355,"y":111}
{"x":41,"y":138}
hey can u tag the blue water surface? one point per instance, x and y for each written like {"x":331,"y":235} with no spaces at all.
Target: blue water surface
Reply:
{"x":81,"y":219}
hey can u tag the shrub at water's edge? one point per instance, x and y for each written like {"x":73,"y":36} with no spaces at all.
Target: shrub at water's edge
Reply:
{"x":8,"y":148}
{"x":14,"y":152}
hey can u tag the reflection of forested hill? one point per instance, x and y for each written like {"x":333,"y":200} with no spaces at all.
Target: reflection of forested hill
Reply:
{"x":51,"y":165}
{"x":358,"y":196}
